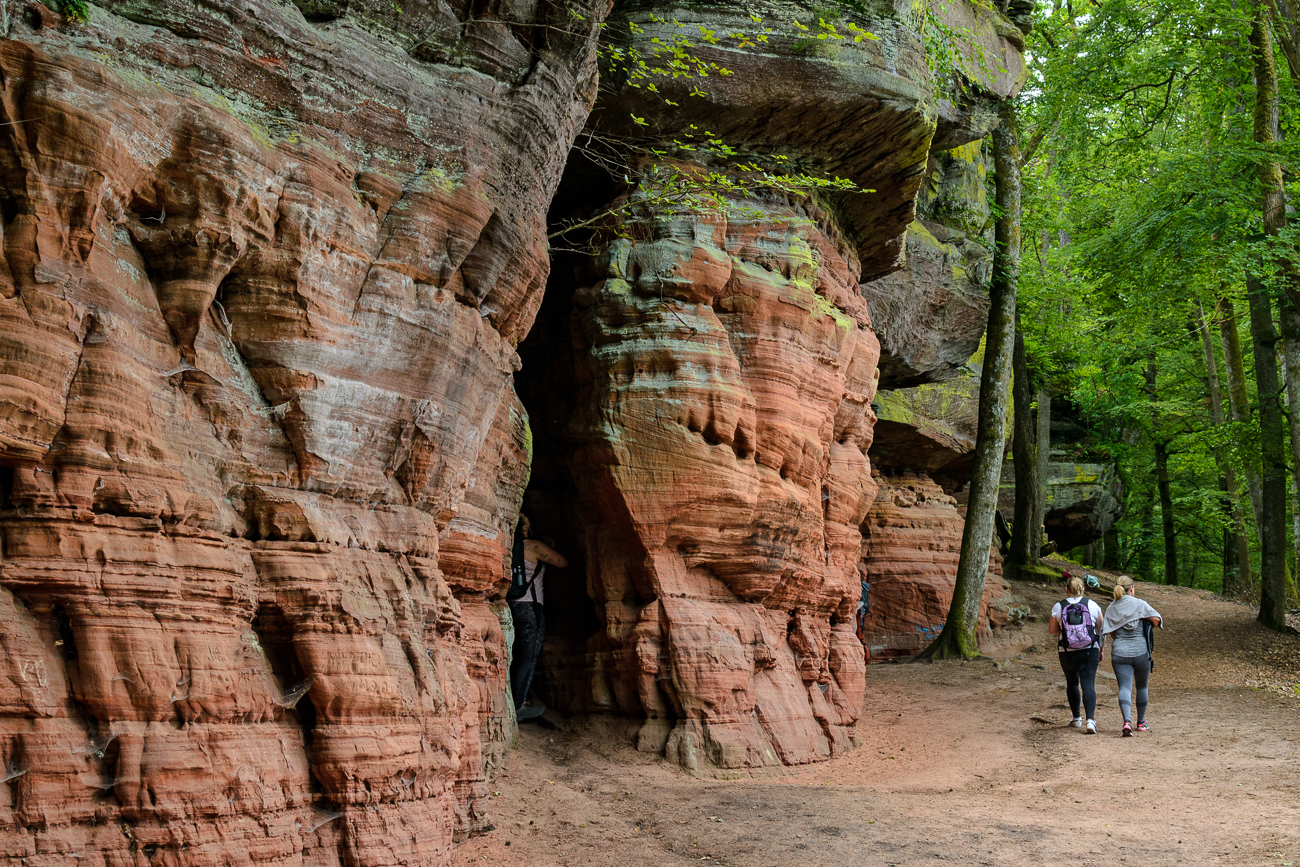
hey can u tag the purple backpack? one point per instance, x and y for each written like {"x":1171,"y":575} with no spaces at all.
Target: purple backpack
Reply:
{"x":1077,"y":629}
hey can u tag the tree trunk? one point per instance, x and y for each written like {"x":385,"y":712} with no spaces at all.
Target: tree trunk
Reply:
{"x":1272,"y":531}
{"x":1290,"y":320}
{"x":1238,"y":401}
{"x":1026,"y":534}
{"x":958,"y":637}
{"x":1144,"y":565}
{"x":1162,"y":481}
{"x":1110,"y":550}
{"x":1236,"y":549}
{"x":1044,"y":443}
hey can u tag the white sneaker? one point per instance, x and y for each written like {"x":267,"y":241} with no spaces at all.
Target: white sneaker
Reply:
{"x":1077,"y":722}
{"x":1092,"y":727}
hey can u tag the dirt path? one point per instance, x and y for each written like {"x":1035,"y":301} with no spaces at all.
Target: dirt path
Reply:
{"x":971,"y":763}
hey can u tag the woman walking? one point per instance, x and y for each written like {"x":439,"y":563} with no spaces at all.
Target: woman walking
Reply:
{"x":1130,"y":655}
{"x":1075,"y":620}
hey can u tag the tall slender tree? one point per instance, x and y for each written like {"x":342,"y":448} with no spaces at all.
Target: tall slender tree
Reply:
{"x":1264,"y":337}
{"x":1238,"y":398}
{"x":1026,"y":526}
{"x":1236,"y":548}
{"x":958,"y":638}
{"x":1168,"y":530}
{"x":1043,"y":445}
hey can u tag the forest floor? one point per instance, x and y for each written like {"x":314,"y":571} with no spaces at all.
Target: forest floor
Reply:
{"x":965,"y":762}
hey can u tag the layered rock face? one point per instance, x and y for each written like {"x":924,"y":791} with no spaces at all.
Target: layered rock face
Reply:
{"x":929,"y":429}
{"x":260,"y":455}
{"x":1084,"y":498}
{"x":911,"y":544}
{"x":724,"y":371}
{"x":931,"y":315}
{"x":265,"y":269}
{"x":710,"y":463}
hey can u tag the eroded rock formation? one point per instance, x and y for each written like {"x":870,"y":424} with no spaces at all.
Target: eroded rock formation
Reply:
{"x":722,"y":368}
{"x":263,"y":278}
{"x":265,"y":270}
{"x":911,"y":543}
{"x":719,"y":433}
{"x":931,"y":315}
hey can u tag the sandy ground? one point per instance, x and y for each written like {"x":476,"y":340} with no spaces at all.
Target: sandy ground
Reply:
{"x":970,"y":763}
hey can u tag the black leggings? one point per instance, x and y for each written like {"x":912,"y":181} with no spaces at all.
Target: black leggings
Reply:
{"x":1080,"y":667}
{"x":530,"y":629}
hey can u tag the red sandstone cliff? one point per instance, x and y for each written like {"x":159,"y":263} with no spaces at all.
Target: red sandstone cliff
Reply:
{"x":265,"y":271}
{"x":705,"y":401}
{"x":263,"y":277}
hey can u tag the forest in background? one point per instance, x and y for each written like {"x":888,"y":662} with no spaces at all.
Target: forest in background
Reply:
{"x":1157,"y":160}
{"x":1144,"y":283}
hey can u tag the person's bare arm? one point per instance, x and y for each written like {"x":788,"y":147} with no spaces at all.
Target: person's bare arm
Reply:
{"x":1053,"y":626}
{"x":540,"y":552}
{"x":1155,"y":621}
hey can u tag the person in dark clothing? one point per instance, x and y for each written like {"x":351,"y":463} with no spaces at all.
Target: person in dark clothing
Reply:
{"x":528,"y":566}
{"x":1080,"y":666}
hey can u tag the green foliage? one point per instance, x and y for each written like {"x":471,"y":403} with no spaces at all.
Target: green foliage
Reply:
{"x":74,"y":10}
{"x":1142,"y":203}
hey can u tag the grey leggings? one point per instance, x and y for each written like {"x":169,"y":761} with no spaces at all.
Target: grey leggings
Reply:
{"x":1129,"y":669}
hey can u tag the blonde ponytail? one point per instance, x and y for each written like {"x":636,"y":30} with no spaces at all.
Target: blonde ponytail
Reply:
{"x":1074,"y":587}
{"x":1122,"y":584}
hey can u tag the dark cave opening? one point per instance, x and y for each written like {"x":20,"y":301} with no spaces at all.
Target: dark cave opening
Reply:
{"x":546,"y":386}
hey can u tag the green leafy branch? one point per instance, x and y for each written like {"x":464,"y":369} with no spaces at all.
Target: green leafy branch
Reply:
{"x":947,"y":48}
{"x":74,"y":10}
{"x":667,"y":187}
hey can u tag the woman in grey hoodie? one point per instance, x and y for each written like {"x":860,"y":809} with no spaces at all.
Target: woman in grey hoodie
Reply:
{"x":1129,"y":654}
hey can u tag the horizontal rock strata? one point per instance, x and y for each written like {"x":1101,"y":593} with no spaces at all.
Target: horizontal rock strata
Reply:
{"x":911,"y":544}
{"x":262,"y":280}
{"x":265,"y":270}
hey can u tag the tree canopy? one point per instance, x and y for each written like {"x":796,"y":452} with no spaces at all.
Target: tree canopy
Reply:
{"x":1151,"y":138}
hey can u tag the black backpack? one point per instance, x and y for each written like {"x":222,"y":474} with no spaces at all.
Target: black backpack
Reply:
{"x":520,"y":583}
{"x":1149,"y":633}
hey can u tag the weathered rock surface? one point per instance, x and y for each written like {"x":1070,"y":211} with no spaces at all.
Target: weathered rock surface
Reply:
{"x":931,"y":315}
{"x":1083,"y":501}
{"x":722,"y":369}
{"x":929,"y":429}
{"x":911,"y":544}
{"x":1084,"y":498}
{"x":262,"y":281}
{"x":718,"y":439}
{"x":265,"y":269}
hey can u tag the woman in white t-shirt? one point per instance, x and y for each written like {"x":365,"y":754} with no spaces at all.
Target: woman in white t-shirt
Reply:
{"x":1082,"y":622}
